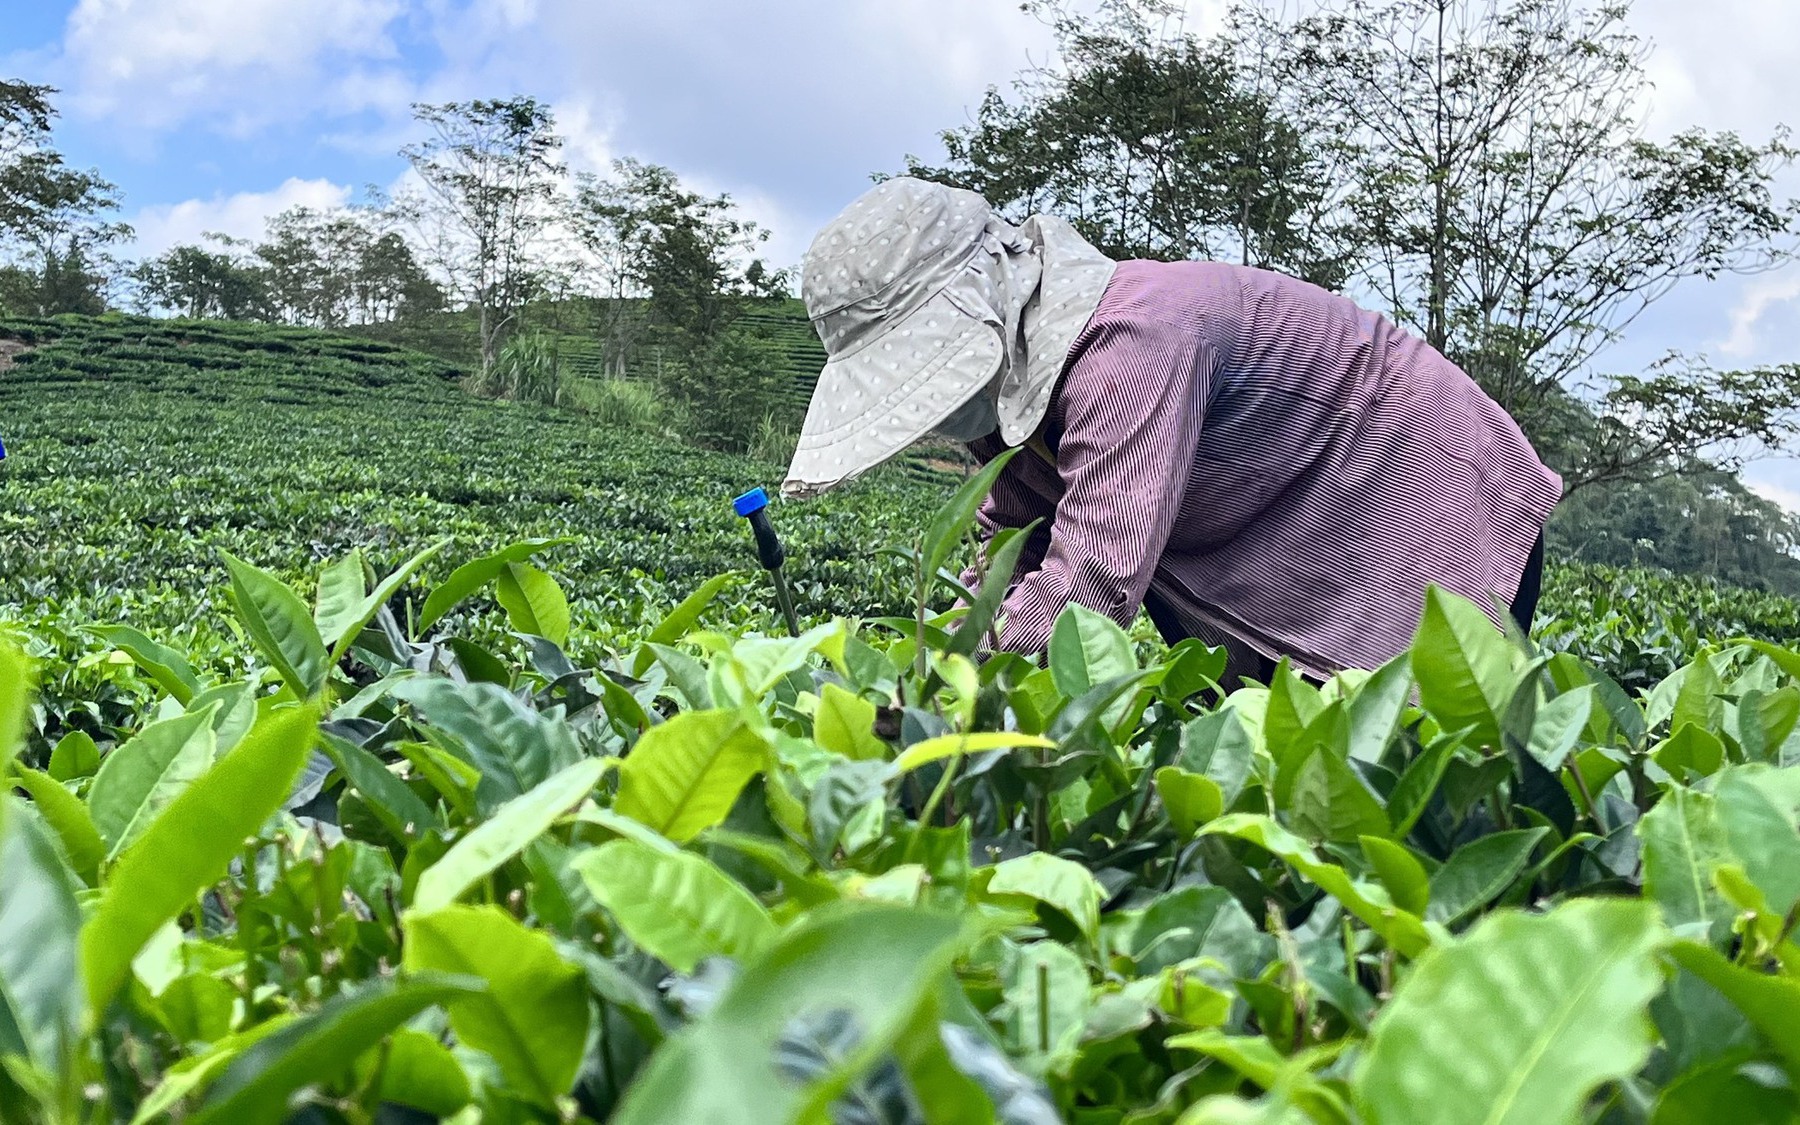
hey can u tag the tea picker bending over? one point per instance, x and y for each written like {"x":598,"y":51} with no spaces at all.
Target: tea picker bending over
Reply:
{"x":1256,"y":461}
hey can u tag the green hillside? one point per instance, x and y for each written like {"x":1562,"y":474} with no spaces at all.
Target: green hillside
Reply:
{"x":143,"y":449}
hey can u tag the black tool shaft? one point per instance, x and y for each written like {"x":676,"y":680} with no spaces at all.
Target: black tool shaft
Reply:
{"x":768,"y":544}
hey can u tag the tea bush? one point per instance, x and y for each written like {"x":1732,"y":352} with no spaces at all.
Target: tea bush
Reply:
{"x":380,"y":871}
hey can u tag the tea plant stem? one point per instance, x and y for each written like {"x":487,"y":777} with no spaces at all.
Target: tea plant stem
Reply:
{"x":931,"y":804}
{"x":993,"y":634}
{"x":1043,"y":990}
{"x":919,"y":613}
{"x":1581,"y":786}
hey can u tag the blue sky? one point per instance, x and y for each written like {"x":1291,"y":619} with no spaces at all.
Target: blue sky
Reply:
{"x":213,"y":114}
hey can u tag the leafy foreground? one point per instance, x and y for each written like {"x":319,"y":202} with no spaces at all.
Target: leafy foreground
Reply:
{"x":863,"y":875}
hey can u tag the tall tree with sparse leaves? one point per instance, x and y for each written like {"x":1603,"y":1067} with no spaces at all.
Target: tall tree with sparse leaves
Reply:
{"x":1517,"y":217}
{"x":55,"y":227}
{"x":694,"y":257}
{"x":491,"y":174}
{"x":1155,"y":144}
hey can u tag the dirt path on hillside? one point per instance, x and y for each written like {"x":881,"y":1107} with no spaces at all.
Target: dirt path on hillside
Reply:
{"x":10,"y":348}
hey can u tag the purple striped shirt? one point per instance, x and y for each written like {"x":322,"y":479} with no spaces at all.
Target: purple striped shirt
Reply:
{"x":1288,"y":470}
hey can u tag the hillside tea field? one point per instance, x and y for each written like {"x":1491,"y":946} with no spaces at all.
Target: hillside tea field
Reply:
{"x":341,"y":792}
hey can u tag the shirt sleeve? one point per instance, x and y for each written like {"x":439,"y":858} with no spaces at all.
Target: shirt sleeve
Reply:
{"x":1132,"y":402}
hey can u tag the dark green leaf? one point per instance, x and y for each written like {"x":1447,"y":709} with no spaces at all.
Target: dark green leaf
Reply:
{"x":319,"y":1046}
{"x":534,"y":603}
{"x":472,"y":576}
{"x":1478,"y":872}
{"x":278,"y":621}
{"x":163,"y":664}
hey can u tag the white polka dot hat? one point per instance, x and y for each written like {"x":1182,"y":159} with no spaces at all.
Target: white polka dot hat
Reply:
{"x":900,"y":355}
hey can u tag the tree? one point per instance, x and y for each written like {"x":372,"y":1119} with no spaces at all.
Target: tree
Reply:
{"x":1517,"y":218}
{"x":694,"y":257}
{"x":342,"y":265}
{"x":1155,"y":145}
{"x":55,"y":236}
{"x":490,"y":176}
{"x":195,"y":282}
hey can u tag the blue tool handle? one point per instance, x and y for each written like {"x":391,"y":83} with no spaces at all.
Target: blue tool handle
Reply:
{"x":754,"y":506}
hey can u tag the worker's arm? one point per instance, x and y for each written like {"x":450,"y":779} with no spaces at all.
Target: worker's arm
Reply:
{"x":1012,"y":502}
{"x":1131,"y":401}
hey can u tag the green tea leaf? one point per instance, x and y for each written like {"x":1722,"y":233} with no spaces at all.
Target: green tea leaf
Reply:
{"x":1330,"y":803}
{"x":163,"y":664}
{"x":506,"y":833}
{"x":1476,"y":873}
{"x":1463,"y":665}
{"x":1769,"y":1002}
{"x":1293,"y":707}
{"x":1405,"y":932}
{"x":1691,"y":752}
{"x":1759,"y":809}
{"x":1575,"y":985}
{"x":1054,"y":881}
{"x":1218,"y":746}
{"x":677,"y":906}
{"x":145,"y":773}
{"x":946,"y":528}
{"x":1187,"y":924}
{"x":473,"y":575}
{"x":18,"y":681}
{"x":1742,"y":1091}
{"x":534,"y":603}
{"x":1683,"y":846}
{"x":75,"y":755}
{"x":684,"y":775}
{"x":321,"y":1044}
{"x":69,"y":819}
{"x":1087,"y":649}
{"x":1376,"y":708}
{"x":876,"y":963}
{"x":420,"y":1072}
{"x":1047,"y":1002}
{"x":1560,"y":724}
{"x":350,"y":625}
{"x":680,"y":622}
{"x":928,"y":750}
{"x":342,"y":587}
{"x":190,"y":844}
{"x":278,"y":621}
{"x":533,"y":1018}
{"x":1001,"y":559}
{"x":40,"y":987}
{"x":1402,"y":874}
{"x":512,"y":745}
{"x":401,"y":811}
{"x":1191,"y":799}
{"x":845,"y":724}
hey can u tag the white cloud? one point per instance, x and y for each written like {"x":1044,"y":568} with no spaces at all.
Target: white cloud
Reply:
{"x":243,"y":63}
{"x":1725,"y":64}
{"x":1777,"y":481}
{"x":587,"y":135}
{"x":241,"y":215}
{"x":1760,"y":296}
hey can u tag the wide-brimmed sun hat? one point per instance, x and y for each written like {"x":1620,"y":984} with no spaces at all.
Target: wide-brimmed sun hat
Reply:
{"x":880,"y":284}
